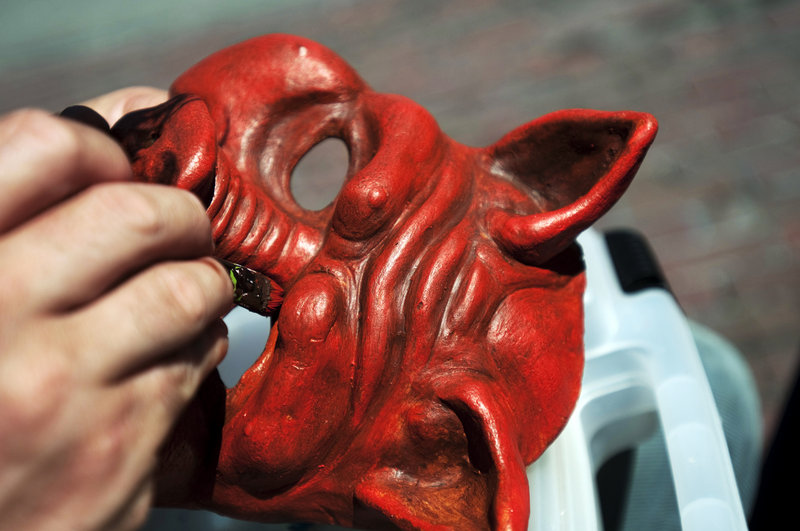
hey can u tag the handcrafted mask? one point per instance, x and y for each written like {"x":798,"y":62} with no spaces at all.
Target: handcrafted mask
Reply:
{"x":430,"y":342}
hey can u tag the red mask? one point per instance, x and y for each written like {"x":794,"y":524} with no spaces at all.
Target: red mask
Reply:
{"x":430,"y":343}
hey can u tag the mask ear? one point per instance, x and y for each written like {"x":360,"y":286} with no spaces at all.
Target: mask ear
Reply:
{"x":460,"y":464}
{"x":575,"y":164}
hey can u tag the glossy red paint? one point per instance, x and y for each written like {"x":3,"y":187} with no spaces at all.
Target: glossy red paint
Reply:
{"x":430,"y":343}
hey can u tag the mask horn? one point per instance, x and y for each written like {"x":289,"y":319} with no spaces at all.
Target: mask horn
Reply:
{"x":574,"y":164}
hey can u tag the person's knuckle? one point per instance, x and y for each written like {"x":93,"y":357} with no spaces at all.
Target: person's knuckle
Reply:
{"x":106,"y":449}
{"x":133,"y":209}
{"x":180,"y":382}
{"x":33,"y":405}
{"x":172,"y":385}
{"x":188,"y":289}
{"x":38,"y":130}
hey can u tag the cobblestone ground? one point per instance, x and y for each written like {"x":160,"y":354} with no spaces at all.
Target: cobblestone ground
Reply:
{"x":718,"y":195}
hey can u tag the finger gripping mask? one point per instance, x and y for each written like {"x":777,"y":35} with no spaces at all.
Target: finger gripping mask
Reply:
{"x":429,"y":346}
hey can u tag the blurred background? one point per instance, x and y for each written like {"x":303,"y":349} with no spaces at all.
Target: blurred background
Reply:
{"x":718,"y":196}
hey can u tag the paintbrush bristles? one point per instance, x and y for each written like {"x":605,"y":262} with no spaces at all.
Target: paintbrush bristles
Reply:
{"x":275,"y":296}
{"x":252,"y":290}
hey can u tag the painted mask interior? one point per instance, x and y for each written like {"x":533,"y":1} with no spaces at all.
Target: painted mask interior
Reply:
{"x":430,"y":343}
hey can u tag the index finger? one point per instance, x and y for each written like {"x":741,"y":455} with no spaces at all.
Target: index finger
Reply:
{"x":45,"y":159}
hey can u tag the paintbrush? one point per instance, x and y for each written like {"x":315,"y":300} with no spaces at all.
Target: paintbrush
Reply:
{"x":251,"y":290}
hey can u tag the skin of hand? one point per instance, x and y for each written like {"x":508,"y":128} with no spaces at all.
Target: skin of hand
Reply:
{"x":109,"y":320}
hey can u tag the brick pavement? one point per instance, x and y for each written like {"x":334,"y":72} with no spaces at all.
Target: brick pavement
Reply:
{"x":718,"y":196}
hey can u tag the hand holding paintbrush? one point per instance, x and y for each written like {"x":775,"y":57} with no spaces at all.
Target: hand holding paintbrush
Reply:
{"x":252,"y":290}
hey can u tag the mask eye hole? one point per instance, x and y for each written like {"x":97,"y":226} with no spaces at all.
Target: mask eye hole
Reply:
{"x":320,"y":174}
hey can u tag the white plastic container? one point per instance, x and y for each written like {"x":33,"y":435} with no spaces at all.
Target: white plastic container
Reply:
{"x":642,"y":367}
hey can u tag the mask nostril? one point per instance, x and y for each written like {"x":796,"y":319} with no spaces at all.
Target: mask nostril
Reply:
{"x":151,"y":138}
{"x":320,"y":174}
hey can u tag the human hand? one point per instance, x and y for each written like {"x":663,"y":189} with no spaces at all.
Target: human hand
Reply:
{"x":109,"y":320}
